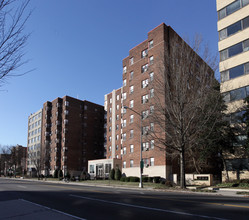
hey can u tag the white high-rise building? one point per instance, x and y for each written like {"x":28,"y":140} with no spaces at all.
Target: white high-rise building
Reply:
{"x":34,"y":142}
{"x":233,"y":28}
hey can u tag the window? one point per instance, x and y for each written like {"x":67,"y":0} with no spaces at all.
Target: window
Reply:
{"x":236,"y":71}
{"x":124,"y":150}
{"x":124,"y":136}
{"x":237,"y":117}
{"x":124,"y":164}
{"x":131,"y":148}
{"x":131,"y":163}
{"x":246,"y":68}
{"x":145,"y":83}
{"x":85,"y":107}
{"x":152,"y":161}
{"x":145,"y":114}
{"x":151,"y":93}
{"x":117,"y":127}
{"x":245,"y":2}
{"x":144,"y":68}
{"x":145,"y":98}
{"x":117,"y":137}
{"x":234,"y":50}
{"x":131,"y":133}
{"x":117,"y":97}
{"x":110,"y":110}
{"x":131,"y":118}
{"x":234,"y":28}
{"x":235,"y":6}
{"x":124,"y":69}
{"x":124,"y":96}
{"x":223,"y":34}
{"x":152,"y":143}
{"x":65,"y":121}
{"x":145,"y":146}
{"x":131,"y":103}
{"x":222,"y":13}
{"x":245,"y":22}
{"x":131,"y":60}
{"x":131,"y":89}
{"x":117,"y":107}
{"x":124,"y":82}
{"x":117,"y":117}
{"x":110,"y":119}
{"x":151,"y":44}
{"x":110,"y":138}
{"x":145,"y":130}
{"x":66,"y":112}
{"x":151,"y":60}
{"x":116,"y":147}
{"x":110,"y":101}
{"x":91,"y":168}
{"x":151,"y":109}
{"x":110,"y":128}
{"x":108,"y":167}
{"x":152,"y":126}
{"x":238,"y":94}
{"x":124,"y":123}
{"x":224,"y":76}
{"x":110,"y":148}
{"x":123,"y":110}
{"x":144,"y":53}
{"x":146,"y":162}
{"x":131,"y":75}
{"x":66,"y":103}
{"x":151,"y":76}
{"x":246,"y":45}
{"x":226,"y":97}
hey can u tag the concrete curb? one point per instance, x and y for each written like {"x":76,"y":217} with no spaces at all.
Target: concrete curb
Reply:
{"x":219,"y":191}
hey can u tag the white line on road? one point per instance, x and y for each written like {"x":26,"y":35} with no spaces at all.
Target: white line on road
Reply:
{"x":20,"y":186}
{"x":148,"y":208}
{"x":53,"y":209}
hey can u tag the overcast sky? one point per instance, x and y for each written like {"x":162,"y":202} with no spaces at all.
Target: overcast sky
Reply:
{"x":77,"y":46}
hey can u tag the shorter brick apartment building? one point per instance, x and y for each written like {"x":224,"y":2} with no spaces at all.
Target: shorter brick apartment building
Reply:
{"x":71,"y":134}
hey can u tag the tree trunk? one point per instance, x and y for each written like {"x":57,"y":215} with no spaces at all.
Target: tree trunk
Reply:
{"x":182,"y":170}
{"x":225,"y":166}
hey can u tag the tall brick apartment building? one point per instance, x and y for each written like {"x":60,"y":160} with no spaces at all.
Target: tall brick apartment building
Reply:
{"x":72,"y":134}
{"x":140,"y":70}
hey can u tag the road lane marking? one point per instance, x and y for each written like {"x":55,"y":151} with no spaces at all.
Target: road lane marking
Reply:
{"x":144,"y":207}
{"x":210,"y":203}
{"x":20,"y":186}
{"x":54,"y":210}
{"x":237,"y":206}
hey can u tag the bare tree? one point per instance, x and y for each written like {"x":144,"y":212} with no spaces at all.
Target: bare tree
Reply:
{"x":4,"y":159}
{"x":182,"y":86}
{"x":13,"y":18}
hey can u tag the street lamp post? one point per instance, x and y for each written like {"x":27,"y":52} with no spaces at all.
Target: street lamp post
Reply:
{"x":141,"y":145}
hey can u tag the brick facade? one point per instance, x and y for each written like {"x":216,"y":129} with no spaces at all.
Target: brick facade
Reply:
{"x":72,"y":134}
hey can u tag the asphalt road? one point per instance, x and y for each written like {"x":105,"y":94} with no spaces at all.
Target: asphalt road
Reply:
{"x":87,"y":202}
